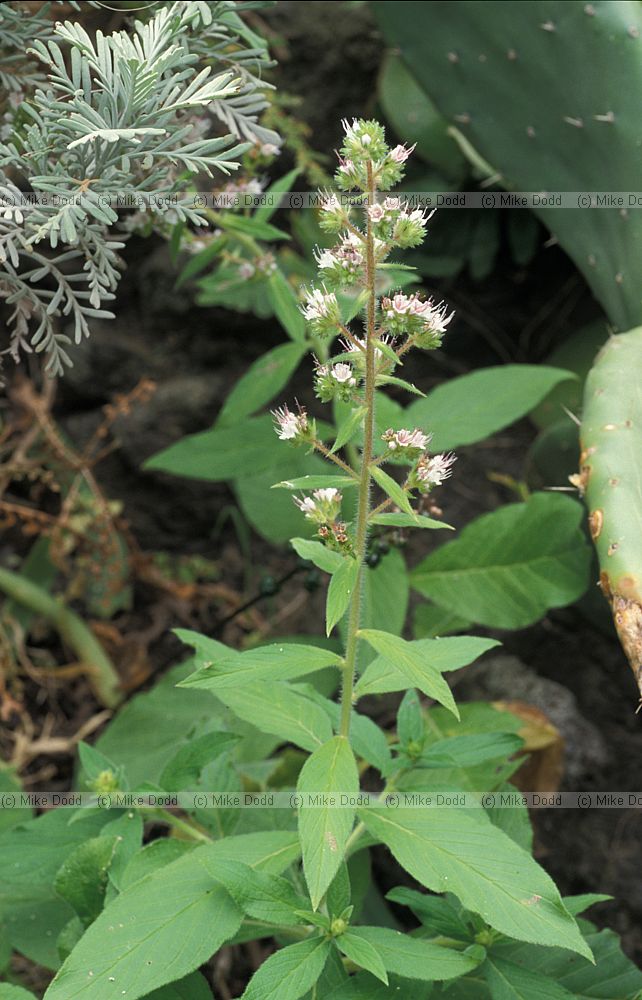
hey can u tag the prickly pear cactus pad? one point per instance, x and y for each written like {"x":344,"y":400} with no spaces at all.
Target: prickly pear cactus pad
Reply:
{"x":610,"y":466}
{"x":549,"y":94}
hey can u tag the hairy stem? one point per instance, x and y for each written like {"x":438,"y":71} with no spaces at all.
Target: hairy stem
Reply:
{"x":363,"y":504}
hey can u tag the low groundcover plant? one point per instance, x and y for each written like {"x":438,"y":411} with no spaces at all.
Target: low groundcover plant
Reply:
{"x":492,"y":923}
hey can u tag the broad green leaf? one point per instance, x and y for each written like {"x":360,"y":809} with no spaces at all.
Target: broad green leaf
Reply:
{"x":339,"y":893}
{"x":408,"y":659}
{"x":283,"y":300}
{"x":316,"y":482}
{"x":363,"y":986}
{"x":408,"y":521}
{"x":184,"y":769}
{"x":330,"y":773}
{"x":508,"y":981}
{"x":318,"y":553}
{"x":509,"y":567}
{"x":278,"y":662}
{"x":193,"y":987}
{"x":270,"y":203}
{"x":447,"y":850}
{"x":612,"y":975}
{"x":152,"y":934}
{"x":272,"y":512}
{"x":269,"y":898}
{"x":340,"y":592}
{"x":578,"y":904}
{"x":434,"y":912}
{"x":273,"y":707}
{"x":359,"y":950}
{"x":8,"y":992}
{"x":153,"y":856}
{"x":261,"y":382}
{"x":378,"y":611}
{"x":413,"y":958}
{"x":472,"y":407}
{"x":410,"y":719}
{"x":515,"y":822}
{"x":431,"y":621}
{"x":393,"y":489}
{"x":214,"y":454}
{"x":429,"y":658}
{"x":82,"y":879}
{"x":290,"y":972}
{"x":467,"y":751}
{"x":349,"y":427}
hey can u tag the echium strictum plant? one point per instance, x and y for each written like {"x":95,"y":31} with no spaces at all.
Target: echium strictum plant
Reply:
{"x":369,"y":225}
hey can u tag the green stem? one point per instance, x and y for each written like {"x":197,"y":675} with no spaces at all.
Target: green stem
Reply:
{"x":363,"y":504}
{"x":185,"y":826}
{"x":71,"y":629}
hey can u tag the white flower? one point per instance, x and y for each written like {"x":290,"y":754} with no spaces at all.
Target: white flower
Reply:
{"x":320,"y":305}
{"x":330,"y":203}
{"x":325,"y":258}
{"x":392,"y":204}
{"x":306,"y":504}
{"x":246,"y":270}
{"x":400,"y":154}
{"x":343,"y":374}
{"x":433,"y":471}
{"x":288,"y":425}
{"x":270,"y":149}
{"x":376,"y":213}
{"x":328,"y":495}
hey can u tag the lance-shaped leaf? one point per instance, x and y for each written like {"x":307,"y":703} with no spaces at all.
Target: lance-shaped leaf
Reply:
{"x":508,"y":567}
{"x":290,"y":972}
{"x":390,"y":486}
{"x":273,"y":707}
{"x":415,"y":959}
{"x":359,"y":950}
{"x":318,"y":553}
{"x":340,"y":591}
{"x":510,"y":982}
{"x":328,"y":778}
{"x":153,"y":933}
{"x":261,"y":382}
{"x":448,"y":850}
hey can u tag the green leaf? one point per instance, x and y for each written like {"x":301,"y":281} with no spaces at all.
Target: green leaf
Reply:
{"x":330,"y":773}
{"x":431,"y":621}
{"x":467,"y":751}
{"x":508,"y":567}
{"x":153,"y":856}
{"x":184,"y":769}
{"x":393,"y":489}
{"x":316,"y":482}
{"x":430,"y":657}
{"x":410,"y":719}
{"x":251,"y":226}
{"x":339,"y":893}
{"x":340,"y":592}
{"x":400,"y":383}
{"x":318,"y":553}
{"x":11,"y":817}
{"x":348,"y":427}
{"x":82,"y":879}
{"x":367,"y":738}
{"x":409,"y":660}
{"x":275,"y":708}
{"x":416,"y":959}
{"x":266,"y":210}
{"x":279,"y":662}
{"x":269,"y":898}
{"x":389,"y":577}
{"x":283,"y":300}
{"x":271,"y":512}
{"x":434,"y":912}
{"x":261,"y":382}
{"x":470,"y":408}
{"x":408,"y":521}
{"x":359,"y":950}
{"x":94,"y":763}
{"x":8,"y":992}
{"x":192,"y":987}
{"x":578,"y":904}
{"x":364,"y":987}
{"x":508,"y":981}
{"x":290,"y":972}
{"x":449,"y":850}
{"x":214,"y":454}
{"x":153,"y":933}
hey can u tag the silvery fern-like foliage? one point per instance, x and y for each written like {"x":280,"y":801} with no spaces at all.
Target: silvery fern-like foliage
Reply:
{"x":113,"y":126}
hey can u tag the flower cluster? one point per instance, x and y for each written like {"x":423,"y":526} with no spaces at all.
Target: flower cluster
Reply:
{"x":409,"y":444}
{"x":291,"y":426}
{"x":334,"y":215}
{"x":321,"y":310}
{"x":334,"y":381}
{"x":344,"y":264}
{"x":419,"y":319}
{"x":431,"y":471}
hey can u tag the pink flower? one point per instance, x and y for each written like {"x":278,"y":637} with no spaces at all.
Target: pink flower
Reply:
{"x":288,"y":425}
{"x":433,"y":471}
{"x":376,"y":213}
{"x":343,"y":374}
{"x":405,"y":439}
{"x":400,"y":154}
